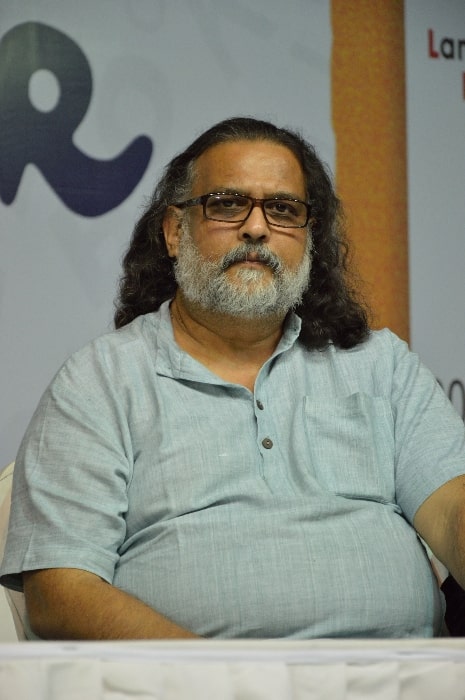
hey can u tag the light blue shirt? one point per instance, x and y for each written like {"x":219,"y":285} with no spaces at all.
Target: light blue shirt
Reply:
{"x":286,"y":512}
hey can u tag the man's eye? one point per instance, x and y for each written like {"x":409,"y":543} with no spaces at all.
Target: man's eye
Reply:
{"x":232,"y":202}
{"x":226,"y":206}
{"x":281,"y":208}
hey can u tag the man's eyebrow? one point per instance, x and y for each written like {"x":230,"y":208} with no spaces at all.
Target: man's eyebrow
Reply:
{"x":229,"y":190}
{"x":288,"y":195}
{"x":280,"y":194}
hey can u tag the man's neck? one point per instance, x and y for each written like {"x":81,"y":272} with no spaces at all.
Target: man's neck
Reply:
{"x":231,"y":347}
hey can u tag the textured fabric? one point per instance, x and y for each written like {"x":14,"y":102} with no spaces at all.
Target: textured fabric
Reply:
{"x":283,"y":513}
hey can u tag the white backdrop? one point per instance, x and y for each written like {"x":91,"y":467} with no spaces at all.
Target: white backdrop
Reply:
{"x":436,"y":157}
{"x":165,"y":70}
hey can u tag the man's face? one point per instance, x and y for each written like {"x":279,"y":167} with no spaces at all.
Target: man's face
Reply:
{"x":251,"y":268}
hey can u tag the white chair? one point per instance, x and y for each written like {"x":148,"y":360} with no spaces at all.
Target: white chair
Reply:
{"x":14,"y":599}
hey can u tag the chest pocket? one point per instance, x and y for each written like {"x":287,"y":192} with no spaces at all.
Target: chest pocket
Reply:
{"x":351,"y":445}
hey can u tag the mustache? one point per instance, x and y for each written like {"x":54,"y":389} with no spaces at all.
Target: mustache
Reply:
{"x":260,"y":253}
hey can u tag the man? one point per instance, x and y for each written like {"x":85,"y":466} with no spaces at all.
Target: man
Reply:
{"x":242,"y":457}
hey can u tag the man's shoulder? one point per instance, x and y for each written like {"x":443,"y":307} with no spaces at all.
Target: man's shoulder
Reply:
{"x":379,"y":356}
{"x":117,"y":351}
{"x":116,"y":339}
{"x":378,"y":343}
{"x":137,"y":331}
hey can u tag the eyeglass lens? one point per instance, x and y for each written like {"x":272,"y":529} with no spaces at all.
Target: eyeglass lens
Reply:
{"x":235,"y":208}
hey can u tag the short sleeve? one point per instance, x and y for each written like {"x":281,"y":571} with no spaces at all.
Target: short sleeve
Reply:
{"x":429,"y":434}
{"x":71,"y":475}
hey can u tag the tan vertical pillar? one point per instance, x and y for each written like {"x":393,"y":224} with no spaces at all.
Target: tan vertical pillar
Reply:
{"x":369,"y":120}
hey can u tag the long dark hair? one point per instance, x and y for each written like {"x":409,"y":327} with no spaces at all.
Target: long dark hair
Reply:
{"x":331,"y":309}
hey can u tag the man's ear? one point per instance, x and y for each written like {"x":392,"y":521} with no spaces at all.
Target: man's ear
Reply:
{"x":171,"y":227}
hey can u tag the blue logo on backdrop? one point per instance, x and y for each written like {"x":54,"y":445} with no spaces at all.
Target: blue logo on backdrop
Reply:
{"x":87,"y":186}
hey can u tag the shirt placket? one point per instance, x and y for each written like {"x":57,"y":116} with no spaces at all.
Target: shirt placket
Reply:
{"x":272,"y":463}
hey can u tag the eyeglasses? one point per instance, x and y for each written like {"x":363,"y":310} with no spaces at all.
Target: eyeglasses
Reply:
{"x":236,"y":208}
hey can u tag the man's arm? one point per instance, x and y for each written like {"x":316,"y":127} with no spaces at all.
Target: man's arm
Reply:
{"x":76,"y":604}
{"x":440,"y":521}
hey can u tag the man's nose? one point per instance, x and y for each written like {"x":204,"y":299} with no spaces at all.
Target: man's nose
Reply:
{"x":255,"y":226}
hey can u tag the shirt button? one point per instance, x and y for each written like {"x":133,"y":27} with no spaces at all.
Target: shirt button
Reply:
{"x":267,"y":443}
{"x":260,"y":405}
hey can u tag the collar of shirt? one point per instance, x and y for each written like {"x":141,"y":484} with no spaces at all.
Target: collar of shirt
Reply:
{"x":172,"y":361}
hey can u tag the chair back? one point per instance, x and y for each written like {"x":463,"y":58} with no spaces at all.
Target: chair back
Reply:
{"x":15,"y":599}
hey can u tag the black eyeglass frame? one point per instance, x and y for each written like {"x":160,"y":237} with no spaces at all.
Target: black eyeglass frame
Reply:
{"x":254,"y":201}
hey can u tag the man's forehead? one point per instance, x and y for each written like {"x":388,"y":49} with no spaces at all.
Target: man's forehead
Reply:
{"x":247,"y":163}
{"x":245,"y":148}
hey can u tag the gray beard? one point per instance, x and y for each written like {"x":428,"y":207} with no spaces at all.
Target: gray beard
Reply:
{"x":252,"y":294}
